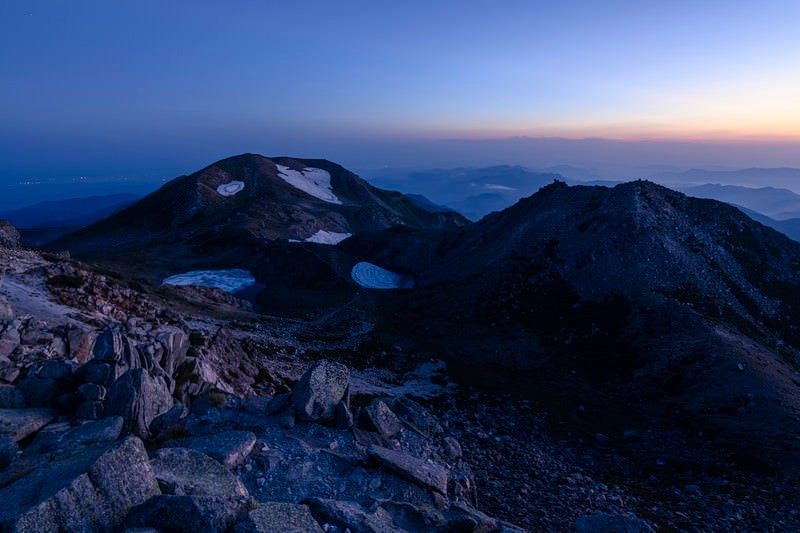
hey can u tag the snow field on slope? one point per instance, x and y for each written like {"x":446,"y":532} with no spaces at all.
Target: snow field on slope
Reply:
{"x":229,"y":189}
{"x":314,"y":181}
{"x":372,"y":276}
{"x":228,"y":280}
{"x":328,"y":237}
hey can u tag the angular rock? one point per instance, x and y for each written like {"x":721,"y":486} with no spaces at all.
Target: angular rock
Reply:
{"x":344,"y":416}
{"x":9,"y":236}
{"x":319,"y":391}
{"x":6,"y":312}
{"x":8,"y":450}
{"x":9,"y":372}
{"x":169,"y":419}
{"x":97,"y":373}
{"x":451,"y":448}
{"x":350,"y":515}
{"x":230,"y":448}
{"x":279,"y":403}
{"x":92,"y":392}
{"x":425,"y":474}
{"x":105,"y":430}
{"x":81,"y":342}
{"x":415,"y":417}
{"x":193,"y":378}
{"x":471,"y":519}
{"x":90,"y":410}
{"x":57,"y":370}
{"x":21,"y":423}
{"x":9,"y":338}
{"x":255,"y":404}
{"x":379,"y":418}
{"x":199,"y":494}
{"x":139,"y":398}
{"x":611,"y":523}
{"x":91,"y":489}
{"x":176,"y":344}
{"x":270,"y":517}
{"x":39,"y":392}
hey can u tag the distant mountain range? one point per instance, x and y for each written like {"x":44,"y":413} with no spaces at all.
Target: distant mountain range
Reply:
{"x":750,"y":177}
{"x":45,"y":221}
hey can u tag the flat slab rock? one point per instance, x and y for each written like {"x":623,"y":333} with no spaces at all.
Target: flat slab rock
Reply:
{"x":428,"y":475}
{"x":89,"y":489}
{"x":611,"y":523}
{"x":230,"y":448}
{"x":21,"y":423}
{"x":276,"y":516}
{"x":94,"y":432}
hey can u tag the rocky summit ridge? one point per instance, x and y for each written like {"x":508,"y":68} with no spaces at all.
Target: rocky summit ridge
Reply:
{"x":590,"y":359}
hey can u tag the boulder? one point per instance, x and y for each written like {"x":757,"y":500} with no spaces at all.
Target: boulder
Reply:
{"x":39,"y":391}
{"x":6,"y":312}
{"x":193,"y":378}
{"x":9,"y":337}
{"x":415,"y":417}
{"x":90,"y":489}
{"x":230,"y":448}
{"x":611,"y":523}
{"x":320,"y":390}
{"x":21,"y":423}
{"x":199,"y":494}
{"x":9,"y":372}
{"x":9,"y":236}
{"x":139,"y":398}
{"x":105,"y":430}
{"x":170,"y":419}
{"x":270,"y":517}
{"x":423,"y":473}
{"x":351,"y":516}
{"x":379,"y":418}
{"x":344,"y":416}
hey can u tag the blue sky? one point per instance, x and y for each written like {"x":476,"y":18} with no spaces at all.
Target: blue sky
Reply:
{"x":150,"y":88}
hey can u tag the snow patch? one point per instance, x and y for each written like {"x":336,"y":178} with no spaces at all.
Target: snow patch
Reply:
{"x":328,"y":237}
{"x":232,"y":280}
{"x":229,"y":189}
{"x":314,"y":181}
{"x":372,"y":276}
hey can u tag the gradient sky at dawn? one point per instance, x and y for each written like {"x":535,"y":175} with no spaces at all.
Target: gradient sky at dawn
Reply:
{"x":109,"y":88}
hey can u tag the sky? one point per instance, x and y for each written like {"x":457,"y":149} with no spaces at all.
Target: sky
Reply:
{"x":150,"y":90}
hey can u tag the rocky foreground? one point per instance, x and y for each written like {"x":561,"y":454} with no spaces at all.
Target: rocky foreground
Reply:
{"x":129,"y":406}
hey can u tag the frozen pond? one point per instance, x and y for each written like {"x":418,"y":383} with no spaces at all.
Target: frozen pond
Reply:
{"x":229,"y":189}
{"x":372,"y":276}
{"x":231,"y":281}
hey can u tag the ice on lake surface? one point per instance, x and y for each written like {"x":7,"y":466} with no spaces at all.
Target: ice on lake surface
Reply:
{"x":232,"y":280}
{"x":372,"y":276}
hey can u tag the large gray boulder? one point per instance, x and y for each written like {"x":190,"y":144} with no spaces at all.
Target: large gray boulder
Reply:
{"x":199,"y":494}
{"x":318,"y":392}
{"x":90,"y":489}
{"x":138,"y":397}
